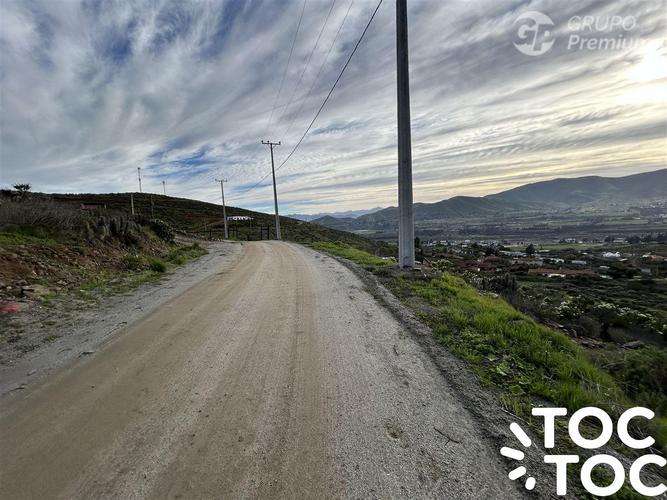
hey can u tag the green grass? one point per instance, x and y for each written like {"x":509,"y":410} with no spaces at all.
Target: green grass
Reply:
{"x":364,"y":259}
{"x":510,"y":350}
{"x":182,"y":254}
{"x":528,"y":362}
{"x":14,"y":237}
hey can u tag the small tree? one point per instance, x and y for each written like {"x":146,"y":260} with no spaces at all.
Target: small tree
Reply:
{"x":23,"y":189}
{"x":530,"y":249}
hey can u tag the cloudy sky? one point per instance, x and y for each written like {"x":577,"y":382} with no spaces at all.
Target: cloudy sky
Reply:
{"x":91,"y":90}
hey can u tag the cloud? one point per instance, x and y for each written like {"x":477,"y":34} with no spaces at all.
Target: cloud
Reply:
{"x":91,"y":90}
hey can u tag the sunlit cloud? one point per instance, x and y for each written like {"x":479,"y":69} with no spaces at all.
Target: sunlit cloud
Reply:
{"x":91,"y":90}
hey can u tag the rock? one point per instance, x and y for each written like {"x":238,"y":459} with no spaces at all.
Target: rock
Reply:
{"x":31,"y":372}
{"x":593,"y":344}
{"x":35,"y":290}
{"x":21,"y":283}
{"x":635,"y":344}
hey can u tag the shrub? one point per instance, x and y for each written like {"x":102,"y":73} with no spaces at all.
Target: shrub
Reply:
{"x":41,"y":213}
{"x":158,"y":266}
{"x":162,"y":229}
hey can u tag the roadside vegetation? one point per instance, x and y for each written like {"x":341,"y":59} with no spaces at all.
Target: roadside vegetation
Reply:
{"x":59,"y":257}
{"x":529,"y":364}
{"x":364,"y":259}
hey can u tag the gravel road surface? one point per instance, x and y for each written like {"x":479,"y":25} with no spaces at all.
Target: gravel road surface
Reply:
{"x":276,"y":377}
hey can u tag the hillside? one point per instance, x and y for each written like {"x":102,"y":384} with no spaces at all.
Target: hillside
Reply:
{"x":48,"y":248}
{"x":548,"y":196}
{"x":353,"y":214}
{"x":592,"y":190}
{"x":205,"y":219}
{"x":453,"y":208}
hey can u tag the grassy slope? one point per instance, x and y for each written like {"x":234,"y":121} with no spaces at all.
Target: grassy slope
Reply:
{"x":529,"y":363}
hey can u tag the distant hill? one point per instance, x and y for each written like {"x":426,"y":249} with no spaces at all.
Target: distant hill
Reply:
{"x":552,"y":195}
{"x":200,"y":217}
{"x":457,"y":207}
{"x":589,"y":191}
{"x":353,"y":214}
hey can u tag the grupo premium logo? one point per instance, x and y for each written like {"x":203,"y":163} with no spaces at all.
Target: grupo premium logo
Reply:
{"x":536,"y":33}
{"x":607,"y":427}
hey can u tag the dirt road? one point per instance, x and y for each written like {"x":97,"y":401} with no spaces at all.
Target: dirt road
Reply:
{"x":279,"y":377}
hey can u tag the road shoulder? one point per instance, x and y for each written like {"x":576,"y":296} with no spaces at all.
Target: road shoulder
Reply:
{"x":482,"y":403}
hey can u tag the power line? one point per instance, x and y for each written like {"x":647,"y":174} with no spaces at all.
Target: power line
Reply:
{"x":310,"y":56}
{"x":354,"y":50}
{"x":289,"y":58}
{"x":324,"y":62}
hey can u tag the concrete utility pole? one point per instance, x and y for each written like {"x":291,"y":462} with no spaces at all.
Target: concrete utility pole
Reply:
{"x":139,"y":174}
{"x":164,"y":188}
{"x":224,"y":210}
{"x":275,"y":193}
{"x":406,"y":229}
{"x":132,"y":202}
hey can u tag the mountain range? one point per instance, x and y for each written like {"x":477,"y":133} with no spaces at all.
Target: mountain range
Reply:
{"x":553,"y":195}
{"x":338,"y":215}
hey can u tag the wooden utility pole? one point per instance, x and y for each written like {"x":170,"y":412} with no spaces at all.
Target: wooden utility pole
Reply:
{"x":139,"y":174}
{"x":224,"y":210}
{"x":275,"y":193}
{"x":406,"y":229}
{"x":164,"y":188}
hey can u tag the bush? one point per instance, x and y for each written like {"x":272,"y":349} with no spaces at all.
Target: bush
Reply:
{"x":41,"y":213}
{"x":158,"y":266}
{"x":162,"y":229}
{"x":132,"y":262}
